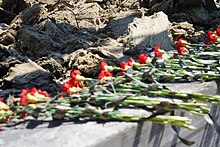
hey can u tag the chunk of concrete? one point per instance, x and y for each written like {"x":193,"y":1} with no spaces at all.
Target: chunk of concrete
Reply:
{"x":212,"y":5}
{"x":150,"y":31}
{"x":190,"y":3}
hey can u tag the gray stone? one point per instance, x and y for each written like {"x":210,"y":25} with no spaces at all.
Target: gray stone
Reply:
{"x":148,"y":31}
{"x":119,"y":24}
{"x":28,"y":75}
{"x":116,"y":134}
{"x":166,"y":6}
{"x":198,"y":15}
{"x":192,"y":3}
{"x":212,"y":5}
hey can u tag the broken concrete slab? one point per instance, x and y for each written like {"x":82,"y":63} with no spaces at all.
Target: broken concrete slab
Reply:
{"x":189,"y":3}
{"x":166,"y":6}
{"x":148,"y":31}
{"x":198,"y":15}
{"x":182,"y":30}
{"x":119,"y":24}
{"x":212,"y":5}
{"x":39,"y":34}
{"x":85,"y":61}
{"x":28,"y":75}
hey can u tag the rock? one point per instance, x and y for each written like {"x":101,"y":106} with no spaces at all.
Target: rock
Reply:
{"x":151,"y":3}
{"x":187,"y":31}
{"x":7,"y":37}
{"x":166,"y":6}
{"x":212,"y":5}
{"x":39,"y":33}
{"x":6,"y":16}
{"x":148,"y":31}
{"x":198,"y":15}
{"x":6,"y":93}
{"x":30,"y":16}
{"x":198,"y":36}
{"x":179,"y":17}
{"x":195,"y":15}
{"x":53,"y":66}
{"x":14,"y":6}
{"x":9,"y":57}
{"x":119,"y":24}
{"x":35,"y":42}
{"x":188,"y":3}
{"x":109,"y":48}
{"x":183,"y":29}
{"x":28,"y":75}
{"x":214,"y":19}
{"x":85,"y":61}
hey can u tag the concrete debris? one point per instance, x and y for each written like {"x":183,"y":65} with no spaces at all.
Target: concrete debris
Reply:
{"x":148,"y":32}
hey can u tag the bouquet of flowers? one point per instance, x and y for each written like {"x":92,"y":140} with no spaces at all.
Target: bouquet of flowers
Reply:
{"x":135,"y":85}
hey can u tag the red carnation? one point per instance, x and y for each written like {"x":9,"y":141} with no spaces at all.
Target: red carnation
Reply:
{"x":218,"y":31}
{"x":130,"y":61}
{"x":66,"y":86}
{"x":104,"y":74}
{"x":74,"y":81}
{"x":181,"y":43}
{"x":142,"y":58}
{"x":1,"y":100}
{"x":182,"y":50}
{"x":33,"y":92}
{"x":43,"y":93}
{"x":181,"y":46}
{"x":74,"y":73}
{"x":39,"y":91}
{"x":23,"y":95}
{"x":212,"y":37}
{"x":157,"y":52}
{"x":123,"y":65}
{"x":103,"y":66}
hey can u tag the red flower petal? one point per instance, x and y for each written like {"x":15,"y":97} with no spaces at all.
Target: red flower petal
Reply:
{"x":122,"y":72}
{"x":103,"y":66}
{"x":43,"y":93}
{"x":218,"y":31}
{"x":66,"y":86}
{"x":182,"y":50}
{"x":156,"y":51}
{"x":212,"y":36}
{"x":33,"y":91}
{"x":181,"y":43}
{"x":1,"y":100}
{"x":108,"y":74}
{"x":130,"y":61}
{"x":74,"y":73}
{"x":207,"y":42}
{"x":101,"y":75}
{"x":142,"y":58}
{"x":123,"y":65}
{"x":104,"y":74}
{"x":23,"y":95}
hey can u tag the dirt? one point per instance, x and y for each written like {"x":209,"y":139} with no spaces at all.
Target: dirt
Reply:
{"x":42,"y":41}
